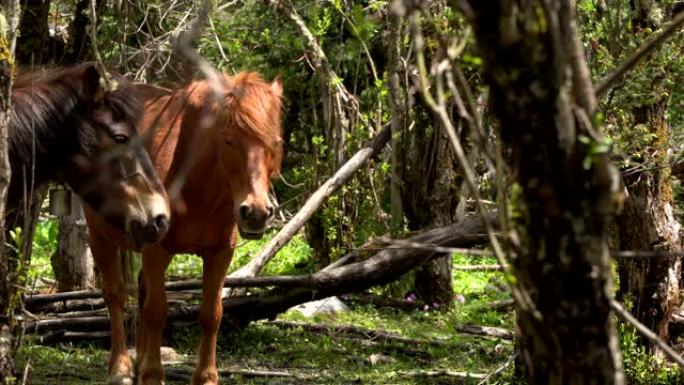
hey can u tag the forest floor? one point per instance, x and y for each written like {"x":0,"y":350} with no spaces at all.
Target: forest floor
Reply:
{"x":301,"y":356}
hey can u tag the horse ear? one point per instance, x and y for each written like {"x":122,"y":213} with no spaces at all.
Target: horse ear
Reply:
{"x":277,"y":86}
{"x":91,"y":84}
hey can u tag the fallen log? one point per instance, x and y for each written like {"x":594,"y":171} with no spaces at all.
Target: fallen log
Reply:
{"x":477,"y":267}
{"x":68,"y":324}
{"x":486,"y":331}
{"x":65,"y":336}
{"x":65,"y":306}
{"x":347,"y":275}
{"x":503,"y":305}
{"x":448,"y":373}
{"x":383,"y":267}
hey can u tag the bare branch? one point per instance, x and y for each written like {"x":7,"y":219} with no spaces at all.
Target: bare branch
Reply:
{"x":185,"y":46}
{"x":646,"y":332}
{"x":460,"y":376}
{"x":498,"y":370}
{"x":109,"y":83}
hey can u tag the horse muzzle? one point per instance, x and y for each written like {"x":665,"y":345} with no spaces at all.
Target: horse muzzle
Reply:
{"x":250,"y":235}
{"x":141,"y":234}
{"x":252,"y":222}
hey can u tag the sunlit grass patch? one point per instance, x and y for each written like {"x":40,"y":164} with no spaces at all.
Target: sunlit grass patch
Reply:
{"x":66,"y":365}
{"x":294,"y":258}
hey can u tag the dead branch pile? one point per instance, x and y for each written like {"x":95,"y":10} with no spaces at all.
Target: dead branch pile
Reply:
{"x":78,"y":315}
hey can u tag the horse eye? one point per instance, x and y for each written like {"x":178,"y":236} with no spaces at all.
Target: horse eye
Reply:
{"x":120,"y":138}
{"x":230,"y":142}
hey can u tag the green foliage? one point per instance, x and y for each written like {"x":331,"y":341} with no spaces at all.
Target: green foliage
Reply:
{"x":641,"y":367}
{"x":294,"y":258}
{"x":44,"y":245}
{"x":610,"y":37}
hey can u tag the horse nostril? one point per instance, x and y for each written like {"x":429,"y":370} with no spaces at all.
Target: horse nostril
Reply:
{"x":270,"y":210}
{"x":244,"y":211}
{"x":161,"y":222}
{"x":135,"y":226}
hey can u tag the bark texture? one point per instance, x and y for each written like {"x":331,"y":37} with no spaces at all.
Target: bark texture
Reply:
{"x":9,"y":13}
{"x":431,"y":195}
{"x":544,"y":100}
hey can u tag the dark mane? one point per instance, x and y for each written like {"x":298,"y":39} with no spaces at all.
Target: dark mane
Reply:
{"x":50,"y":108}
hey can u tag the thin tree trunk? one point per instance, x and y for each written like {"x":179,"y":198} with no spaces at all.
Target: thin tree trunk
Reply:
{"x":544,"y":102}
{"x":398,"y":114}
{"x":10,"y":17}
{"x":32,"y":43}
{"x":78,"y":45}
{"x":73,"y":263}
{"x":433,"y":281}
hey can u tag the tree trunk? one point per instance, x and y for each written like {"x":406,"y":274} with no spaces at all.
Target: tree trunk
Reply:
{"x":433,"y":281}
{"x":398,"y":108}
{"x":648,"y":221}
{"x":78,"y":45}
{"x":9,"y":13}
{"x":73,"y":263}
{"x":430,"y":193}
{"x":543,"y":98}
{"x":32,"y":43}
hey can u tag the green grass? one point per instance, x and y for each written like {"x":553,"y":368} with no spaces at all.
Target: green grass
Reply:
{"x":294,"y":258}
{"x":314,"y":358}
{"x":324,"y":358}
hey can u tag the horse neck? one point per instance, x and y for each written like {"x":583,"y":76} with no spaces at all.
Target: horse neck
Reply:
{"x":40,"y":140}
{"x":197,"y":140}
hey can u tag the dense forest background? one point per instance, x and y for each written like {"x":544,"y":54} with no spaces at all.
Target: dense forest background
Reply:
{"x":452,"y":88}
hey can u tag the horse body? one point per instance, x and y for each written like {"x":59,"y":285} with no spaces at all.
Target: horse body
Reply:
{"x":65,"y":128}
{"x":216,"y":158}
{"x":204,"y":205}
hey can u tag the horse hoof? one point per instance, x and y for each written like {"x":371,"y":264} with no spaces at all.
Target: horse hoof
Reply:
{"x":205,"y":378}
{"x":120,"y":379}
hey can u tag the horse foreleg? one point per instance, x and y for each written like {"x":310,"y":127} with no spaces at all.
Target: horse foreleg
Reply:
{"x":153,"y":312}
{"x":107,"y":258}
{"x":213,"y":274}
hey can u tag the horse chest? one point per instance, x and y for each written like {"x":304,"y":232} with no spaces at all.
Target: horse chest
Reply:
{"x":201,"y":228}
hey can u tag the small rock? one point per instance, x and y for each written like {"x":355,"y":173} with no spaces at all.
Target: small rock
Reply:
{"x":168,"y":356}
{"x":379,"y":358}
{"x":325,"y":306}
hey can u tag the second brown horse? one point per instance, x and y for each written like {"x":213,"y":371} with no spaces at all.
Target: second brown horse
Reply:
{"x":219,"y":154}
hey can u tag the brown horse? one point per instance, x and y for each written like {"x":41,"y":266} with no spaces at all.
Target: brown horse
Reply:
{"x":233,"y":147}
{"x":64,"y":127}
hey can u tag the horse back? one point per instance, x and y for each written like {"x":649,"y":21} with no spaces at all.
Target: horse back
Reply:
{"x":160,"y":126}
